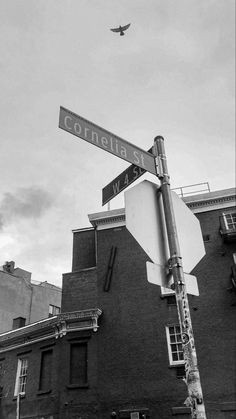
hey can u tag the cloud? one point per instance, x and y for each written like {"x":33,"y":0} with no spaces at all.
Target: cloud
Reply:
{"x":29,"y":202}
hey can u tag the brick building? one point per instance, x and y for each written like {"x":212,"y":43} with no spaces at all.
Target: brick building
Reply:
{"x":115,"y":350}
{"x":23,"y":301}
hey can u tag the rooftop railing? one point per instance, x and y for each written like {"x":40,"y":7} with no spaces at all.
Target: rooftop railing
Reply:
{"x":192,"y":189}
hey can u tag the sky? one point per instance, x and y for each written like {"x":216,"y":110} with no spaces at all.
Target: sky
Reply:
{"x":172,"y":74}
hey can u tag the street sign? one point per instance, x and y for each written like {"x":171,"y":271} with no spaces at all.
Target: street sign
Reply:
{"x":146,"y":222}
{"x":122,"y":181}
{"x":117,"y":185}
{"x":104,"y":139}
{"x":156,"y":274}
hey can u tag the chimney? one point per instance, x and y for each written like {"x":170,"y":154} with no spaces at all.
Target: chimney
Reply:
{"x":18,"y":322}
{"x":9,"y":267}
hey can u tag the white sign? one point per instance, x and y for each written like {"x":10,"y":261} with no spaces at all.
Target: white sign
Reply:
{"x":146,"y":222}
{"x":156,"y":274}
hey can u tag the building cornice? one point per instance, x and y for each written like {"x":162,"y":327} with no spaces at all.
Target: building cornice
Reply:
{"x":209,"y":202}
{"x":53,"y":327}
{"x":196,"y":203}
{"x":108,"y":219}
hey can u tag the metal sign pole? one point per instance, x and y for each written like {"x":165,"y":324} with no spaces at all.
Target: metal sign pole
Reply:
{"x":195,"y":397}
{"x":18,"y":406}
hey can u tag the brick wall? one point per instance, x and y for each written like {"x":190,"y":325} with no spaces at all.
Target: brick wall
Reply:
{"x":33,"y":403}
{"x":79,"y":290}
{"x":132,"y":358}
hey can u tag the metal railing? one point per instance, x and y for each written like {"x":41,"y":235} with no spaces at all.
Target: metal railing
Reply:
{"x":181,"y":190}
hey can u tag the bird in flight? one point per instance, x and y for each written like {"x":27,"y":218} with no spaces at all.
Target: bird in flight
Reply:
{"x":121,"y":29}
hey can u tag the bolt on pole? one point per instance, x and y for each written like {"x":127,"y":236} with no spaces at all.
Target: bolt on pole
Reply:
{"x":195,"y":397}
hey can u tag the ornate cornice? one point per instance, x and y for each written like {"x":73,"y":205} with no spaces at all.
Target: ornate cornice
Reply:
{"x":197,"y":203}
{"x":222,"y":200}
{"x":108,"y":219}
{"x":53,"y":327}
{"x":211,"y":201}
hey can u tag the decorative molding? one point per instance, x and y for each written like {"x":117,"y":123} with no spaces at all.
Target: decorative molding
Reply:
{"x":212,"y":201}
{"x":108,"y":219}
{"x":212,"y":204}
{"x":53,"y":327}
{"x":197,"y":203}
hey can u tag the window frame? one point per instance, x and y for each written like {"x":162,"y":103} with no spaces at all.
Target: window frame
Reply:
{"x":232,"y":214}
{"x":84,"y":384}
{"x":21,"y":372}
{"x":40,"y":388}
{"x":173,"y":362}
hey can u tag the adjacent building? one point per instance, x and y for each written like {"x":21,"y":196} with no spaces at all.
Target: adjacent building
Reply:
{"x":115,"y":351}
{"x":23,"y":301}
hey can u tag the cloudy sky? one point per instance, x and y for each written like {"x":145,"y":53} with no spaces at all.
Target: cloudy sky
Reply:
{"x":172,"y":74}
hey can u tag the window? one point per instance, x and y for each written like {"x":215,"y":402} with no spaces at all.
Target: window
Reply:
{"x":45,"y":370}
{"x":53,"y":310}
{"x":18,"y":322}
{"x":174,"y":342}
{"x":228,"y":225}
{"x":21,"y":376}
{"x":230,"y":220}
{"x":78,"y":363}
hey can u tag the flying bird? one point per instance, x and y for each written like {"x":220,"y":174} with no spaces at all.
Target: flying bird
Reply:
{"x":121,"y":29}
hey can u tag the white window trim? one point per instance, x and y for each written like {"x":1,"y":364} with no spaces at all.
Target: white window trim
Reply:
{"x":17,"y":383}
{"x":171,"y":362}
{"x":225,"y":219}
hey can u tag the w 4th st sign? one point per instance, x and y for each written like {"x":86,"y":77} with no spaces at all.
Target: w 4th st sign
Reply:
{"x":126,"y":178}
{"x":122,"y":181}
{"x":93,"y":134}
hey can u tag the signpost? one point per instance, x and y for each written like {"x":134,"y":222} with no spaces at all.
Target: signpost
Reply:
{"x":96,"y":135}
{"x":195,"y":396}
{"x":88,"y":131}
{"x":18,"y":403}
